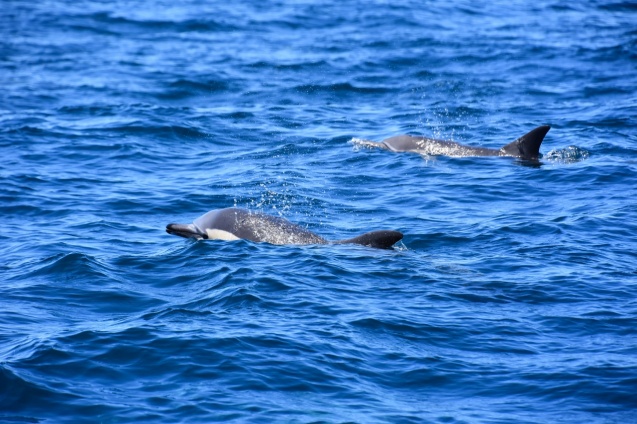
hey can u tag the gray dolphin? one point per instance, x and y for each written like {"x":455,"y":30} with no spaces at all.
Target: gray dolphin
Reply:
{"x":235,"y":224}
{"x":525,"y":147}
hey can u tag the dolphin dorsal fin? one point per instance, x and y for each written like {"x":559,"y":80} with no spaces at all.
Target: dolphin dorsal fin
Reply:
{"x":527,"y":146}
{"x":383,"y":239}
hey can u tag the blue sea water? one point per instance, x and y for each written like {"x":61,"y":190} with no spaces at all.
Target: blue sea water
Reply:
{"x":512,"y":297}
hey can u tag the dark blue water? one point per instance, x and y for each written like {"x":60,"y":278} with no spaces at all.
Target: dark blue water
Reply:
{"x":512,"y":297}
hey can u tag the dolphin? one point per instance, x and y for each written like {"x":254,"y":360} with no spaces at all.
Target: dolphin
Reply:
{"x":525,"y":147}
{"x":236,"y":223}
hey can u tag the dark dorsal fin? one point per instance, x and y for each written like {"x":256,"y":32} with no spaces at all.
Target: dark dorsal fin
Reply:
{"x":383,"y":239}
{"x":527,"y":146}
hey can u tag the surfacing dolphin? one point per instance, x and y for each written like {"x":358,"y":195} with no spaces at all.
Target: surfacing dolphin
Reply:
{"x":525,"y":147}
{"x":235,"y":224}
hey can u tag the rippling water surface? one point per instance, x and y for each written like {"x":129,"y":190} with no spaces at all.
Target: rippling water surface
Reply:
{"x":510,"y":299}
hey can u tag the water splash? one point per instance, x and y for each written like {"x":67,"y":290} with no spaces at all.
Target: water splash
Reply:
{"x":570,"y":154}
{"x":360,"y":144}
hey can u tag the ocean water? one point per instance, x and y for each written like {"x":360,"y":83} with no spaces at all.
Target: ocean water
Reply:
{"x":511,"y":298}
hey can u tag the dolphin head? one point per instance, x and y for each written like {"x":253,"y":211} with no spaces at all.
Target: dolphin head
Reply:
{"x":216,"y":224}
{"x":186,"y":230}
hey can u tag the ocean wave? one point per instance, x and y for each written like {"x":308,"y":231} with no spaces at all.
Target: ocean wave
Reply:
{"x":510,"y":298}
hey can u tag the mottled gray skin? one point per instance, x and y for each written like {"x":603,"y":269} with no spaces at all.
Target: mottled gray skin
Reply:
{"x":525,"y":147}
{"x":236,"y":223}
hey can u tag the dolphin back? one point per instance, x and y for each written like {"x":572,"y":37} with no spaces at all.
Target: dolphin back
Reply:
{"x":527,"y":146}
{"x":382,"y":239}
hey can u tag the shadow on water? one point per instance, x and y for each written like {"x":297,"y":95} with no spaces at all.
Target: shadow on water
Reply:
{"x":529,"y":163}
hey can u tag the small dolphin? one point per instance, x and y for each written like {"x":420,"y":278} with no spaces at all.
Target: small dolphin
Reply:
{"x":525,"y":147}
{"x":235,"y":224}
